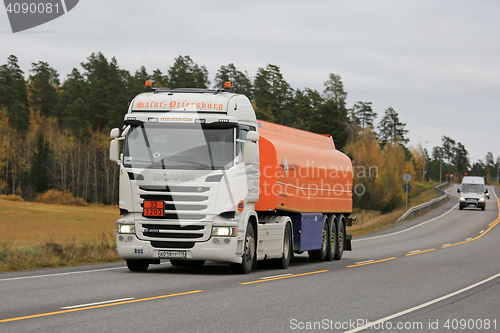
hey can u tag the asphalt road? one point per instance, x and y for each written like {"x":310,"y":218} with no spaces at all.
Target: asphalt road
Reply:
{"x":436,"y":273}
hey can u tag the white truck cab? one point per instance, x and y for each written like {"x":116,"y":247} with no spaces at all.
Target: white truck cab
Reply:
{"x":473,"y":192}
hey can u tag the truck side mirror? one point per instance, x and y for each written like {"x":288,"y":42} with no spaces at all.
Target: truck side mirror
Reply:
{"x":115,"y":132}
{"x":114,"y":150}
{"x":252,"y":136}
{"x":250,"y":150}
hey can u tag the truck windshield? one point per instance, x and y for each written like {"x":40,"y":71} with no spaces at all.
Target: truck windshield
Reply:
{"x":191,"y":147}
{"x":472,"y":188}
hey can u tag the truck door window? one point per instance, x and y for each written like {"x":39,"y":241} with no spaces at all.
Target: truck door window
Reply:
{"x":242,"y":135}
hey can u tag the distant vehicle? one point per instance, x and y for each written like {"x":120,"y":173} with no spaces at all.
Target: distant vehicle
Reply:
{"x":473,"y":193}
{"x":487,"y":193}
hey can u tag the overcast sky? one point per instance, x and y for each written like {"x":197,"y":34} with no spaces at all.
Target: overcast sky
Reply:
{"x":437,"y":63}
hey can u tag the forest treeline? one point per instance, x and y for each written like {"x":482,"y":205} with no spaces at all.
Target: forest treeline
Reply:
{"x":55,"y":135}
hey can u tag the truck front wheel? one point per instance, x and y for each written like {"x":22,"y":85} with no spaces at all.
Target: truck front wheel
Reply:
{"x":138,"y":265}
{"x":249,"y":253}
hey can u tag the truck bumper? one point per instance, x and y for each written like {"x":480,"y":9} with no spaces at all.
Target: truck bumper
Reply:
{"x":224,"y":249}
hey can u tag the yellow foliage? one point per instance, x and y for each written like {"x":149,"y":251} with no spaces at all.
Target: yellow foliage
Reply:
{"x":11,"y":197}
{"x":379,"y":171}
{"x":60,"y":198}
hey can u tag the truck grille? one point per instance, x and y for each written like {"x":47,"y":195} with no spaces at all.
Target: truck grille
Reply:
{"x":186,"y":212}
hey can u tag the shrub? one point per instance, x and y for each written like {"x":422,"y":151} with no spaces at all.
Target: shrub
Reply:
{"x":11,"y":197}
{"x":60,"y":198}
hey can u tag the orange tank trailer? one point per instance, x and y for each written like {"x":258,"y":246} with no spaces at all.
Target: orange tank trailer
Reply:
{"x":302,"y":172}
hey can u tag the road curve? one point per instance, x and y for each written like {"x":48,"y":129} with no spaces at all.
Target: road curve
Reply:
{"x":426,"y":274}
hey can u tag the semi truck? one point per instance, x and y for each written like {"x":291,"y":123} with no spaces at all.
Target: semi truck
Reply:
{"x":201,"y":179}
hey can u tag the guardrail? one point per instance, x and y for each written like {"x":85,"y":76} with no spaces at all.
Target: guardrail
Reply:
{"x":428,"y":205}
{"x":439,"y":190}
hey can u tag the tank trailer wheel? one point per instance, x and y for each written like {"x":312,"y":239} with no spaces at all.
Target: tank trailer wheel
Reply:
{"x":331,"y":248}
{"x":340,"y":238}
{"x":319,"y":255}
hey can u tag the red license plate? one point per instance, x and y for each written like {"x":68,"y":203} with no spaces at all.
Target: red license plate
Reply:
{"x":153,"y":208}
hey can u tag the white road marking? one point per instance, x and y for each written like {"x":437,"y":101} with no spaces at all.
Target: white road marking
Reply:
{"x":414,"y":251}
{"x":446,"y":244}
{"x":69,"y":273}
{"x":399,"y":232}
{"x":481,"y":231}
{"x":96,"y":303}
{"x":469,"y":238}
{"x":275,"y":276}
{"x":399,"y":314}
{"x":60,"y":274}
{"x":363,"y":262}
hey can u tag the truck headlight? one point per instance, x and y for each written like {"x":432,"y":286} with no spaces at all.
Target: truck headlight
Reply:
{"x":224,"y":231}
{"x":462,"y":199}
{"x":125,"y":228}
{"x":482,"y":199}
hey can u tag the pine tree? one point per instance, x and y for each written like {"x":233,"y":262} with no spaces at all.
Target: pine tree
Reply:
{"x":273,"y":94}
{"x":43,"y":89}
{"x":365,"y":113}
{"x":461,"y":160}
{"x":39,"y":175}
{"x":185,"y":73}
{"x":240,"y":82}
{"x":391,"y":129}
{"x":13,"y":94}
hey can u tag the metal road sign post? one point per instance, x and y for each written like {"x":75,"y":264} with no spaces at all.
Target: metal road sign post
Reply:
{"x":406,"y":187}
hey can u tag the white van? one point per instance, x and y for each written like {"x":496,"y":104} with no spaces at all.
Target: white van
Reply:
{"x":473,"y":192}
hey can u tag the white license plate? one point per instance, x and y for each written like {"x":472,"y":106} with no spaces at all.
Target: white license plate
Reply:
{"x":171,"y":254}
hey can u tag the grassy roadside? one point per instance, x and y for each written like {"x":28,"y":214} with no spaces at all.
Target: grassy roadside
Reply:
{"x":38,"y":235}
{"x":371,"y":221}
